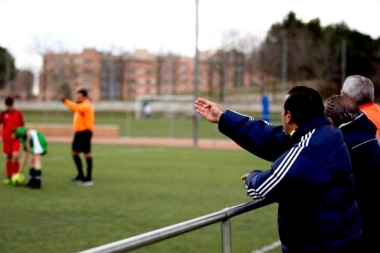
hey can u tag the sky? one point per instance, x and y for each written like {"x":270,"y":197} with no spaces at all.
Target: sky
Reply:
{"x":30,"y":27}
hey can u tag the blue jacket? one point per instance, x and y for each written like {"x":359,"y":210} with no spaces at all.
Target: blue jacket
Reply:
{"x":310,"y":179}
{"x":360,"y":137}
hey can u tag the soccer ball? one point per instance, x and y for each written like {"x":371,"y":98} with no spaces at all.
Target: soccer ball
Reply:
{"x":18,"y":179}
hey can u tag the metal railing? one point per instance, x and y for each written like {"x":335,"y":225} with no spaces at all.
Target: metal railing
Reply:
{"x":161,"y":234}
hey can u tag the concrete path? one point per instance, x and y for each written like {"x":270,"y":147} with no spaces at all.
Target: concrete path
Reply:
{"x":168,"y":142}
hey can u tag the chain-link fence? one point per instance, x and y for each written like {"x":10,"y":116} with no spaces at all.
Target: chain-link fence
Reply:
{"x":167,"y":119}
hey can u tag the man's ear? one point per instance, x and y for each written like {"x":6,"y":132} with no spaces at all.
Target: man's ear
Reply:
{"x":288,"y":117}
{"x":330,"y":120}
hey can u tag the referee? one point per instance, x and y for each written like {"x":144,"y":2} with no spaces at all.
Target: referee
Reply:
{"x":83,"y":126}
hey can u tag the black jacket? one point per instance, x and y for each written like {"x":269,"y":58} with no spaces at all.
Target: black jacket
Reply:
{"x":360,"y":138}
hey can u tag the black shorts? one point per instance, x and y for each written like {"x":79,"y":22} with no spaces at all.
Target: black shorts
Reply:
{"x":82,"y":141}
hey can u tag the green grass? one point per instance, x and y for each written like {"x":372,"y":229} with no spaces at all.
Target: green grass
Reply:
{"x":178,"y":126}
{"x":137,"y":189}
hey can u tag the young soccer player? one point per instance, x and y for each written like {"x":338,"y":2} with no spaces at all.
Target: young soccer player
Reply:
{"x":9,"y":119}
{"x":35,"y":143}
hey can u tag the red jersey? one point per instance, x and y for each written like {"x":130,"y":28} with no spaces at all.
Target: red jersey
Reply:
{"x":10,"y":120}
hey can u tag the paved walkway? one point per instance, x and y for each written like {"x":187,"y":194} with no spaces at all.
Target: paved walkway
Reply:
{"x":169,"y":142}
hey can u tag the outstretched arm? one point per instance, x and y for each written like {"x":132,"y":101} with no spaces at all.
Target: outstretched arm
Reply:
{"x":256,"y":136}
{"x":75,"y":107}
{"x":22,"y":119}
{"x":24,"y":158}
{"x":27,"y":141}
{"x":26,"y":151}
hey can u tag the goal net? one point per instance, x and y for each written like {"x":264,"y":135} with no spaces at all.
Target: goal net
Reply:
{"x":166,"y":105}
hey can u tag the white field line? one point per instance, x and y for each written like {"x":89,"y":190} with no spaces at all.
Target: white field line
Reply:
{"x":268,"y":247}
{"x":117,"y":153}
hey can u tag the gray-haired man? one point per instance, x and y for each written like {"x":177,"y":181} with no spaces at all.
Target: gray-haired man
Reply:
{"x":362,"y":91}
{"x":359,"y":134}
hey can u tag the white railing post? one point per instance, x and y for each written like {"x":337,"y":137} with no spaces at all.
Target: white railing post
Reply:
{"x":226,"y":236}
{"x":145,"y":239}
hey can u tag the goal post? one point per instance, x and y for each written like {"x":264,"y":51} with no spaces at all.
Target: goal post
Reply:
{"x":166,"y":104}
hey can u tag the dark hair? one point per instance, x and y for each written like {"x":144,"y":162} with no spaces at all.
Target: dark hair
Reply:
{"x":304,"y":103}
{"x":9,"y":101}
{"x":341,"y":109}
{"x":83,"y":92}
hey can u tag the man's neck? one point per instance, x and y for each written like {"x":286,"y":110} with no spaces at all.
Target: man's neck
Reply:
{"x":292,"y":129}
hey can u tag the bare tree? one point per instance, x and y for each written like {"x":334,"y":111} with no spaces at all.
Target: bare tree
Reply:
{"x":234,"y":59}
{"x":42,"y":46}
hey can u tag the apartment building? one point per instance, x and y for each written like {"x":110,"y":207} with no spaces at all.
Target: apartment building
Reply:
{"x":111,"y":83}
{"x":120,"y":77}
{"x":140,"y":74}
{"x":67,"y":72}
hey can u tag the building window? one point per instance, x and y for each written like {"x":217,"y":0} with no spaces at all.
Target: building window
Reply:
{"x":87,"y":80}
{"x":58,"y":60}
{"x":131,"y":91}
{"x":131,"y":81}
{"x":87,"y":60}
{"x":56,"y":77}
{"x":87,"y":71}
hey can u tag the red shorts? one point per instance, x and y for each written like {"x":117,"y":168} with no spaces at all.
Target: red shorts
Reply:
{"x":11,"y":147}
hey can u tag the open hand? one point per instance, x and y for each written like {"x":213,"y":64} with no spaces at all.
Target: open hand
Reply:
{"x":207,"y":109}
{"x":61,"y":97}
{"x":244,"y":176}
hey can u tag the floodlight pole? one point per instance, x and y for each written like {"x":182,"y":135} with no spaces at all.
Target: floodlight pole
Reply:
{"x":343,"y":60}
{"x":196,"y":76}
{"x":284,"y":65}
{"x":7,"y":73}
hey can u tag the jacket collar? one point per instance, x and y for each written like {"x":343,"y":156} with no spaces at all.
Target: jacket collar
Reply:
{"x":358,"y":124}
{"x":352,"y":121}
{"x":366,"y":105}
{"x":308,"y":126}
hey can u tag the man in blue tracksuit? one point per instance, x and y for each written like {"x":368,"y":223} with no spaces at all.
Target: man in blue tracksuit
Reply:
{"x":360,"y":136}
{"x":310,"y":179}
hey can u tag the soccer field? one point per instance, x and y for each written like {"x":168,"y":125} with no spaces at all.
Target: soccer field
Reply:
{"x":137,"y":189}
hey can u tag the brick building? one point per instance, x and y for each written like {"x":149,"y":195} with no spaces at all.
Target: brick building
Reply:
{"x":111,"y":83}
{"x":68,"y":72}
{"x":119,"y":77}
{"x":140,"y":74}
